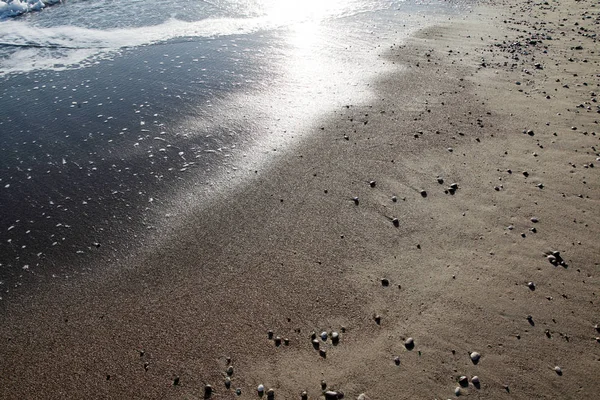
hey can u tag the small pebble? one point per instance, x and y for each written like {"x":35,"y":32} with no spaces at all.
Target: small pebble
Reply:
{"x":315,"y":343}
{"x":260,"y":389}
{"x":227,"y":382}
{"x":463,"y":381}
{"x":238,"y":391}
{"x":323,"y":353}
{"x":475,"y":380}
{"x":457,"y":391}
{"x":534,"y":220}
{"x":278,"y":341}
{"x":394,"y":199}
{"x":208,"y":391}
{"x":323,"y":385}
{"x":531,"y":285}
{"x":270,"y":334}
{"x":372,"y":183}
{"x":409,"y":343}
{"x":397,"y":360}
{"x":324,"y":336}
{"x":377,"y":319}
{"x":335,"y":337}
{"x":475,"y":356}
{"x":423,"y":193}
{"x":270,"y":394}
{"x":304,"y":395}
{"x":440,"y":180}
{"x":454,"y":186}
{"x":558,"y":370}
{"x":286,"y":341}
{"x":385,"y":282}
{"x":331,"y":395}
{"x":355,"y":199}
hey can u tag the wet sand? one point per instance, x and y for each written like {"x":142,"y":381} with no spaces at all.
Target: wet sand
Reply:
{"x":360,"y":230}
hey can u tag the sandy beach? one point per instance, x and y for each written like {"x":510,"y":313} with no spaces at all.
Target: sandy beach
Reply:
{"x":447,"y":231}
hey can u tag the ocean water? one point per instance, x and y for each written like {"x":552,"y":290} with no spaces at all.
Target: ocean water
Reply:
{"x":118,"y":117}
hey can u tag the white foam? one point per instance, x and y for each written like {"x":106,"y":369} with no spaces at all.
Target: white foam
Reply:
{"x":62,"y":47}
{"x":12,"y":8}
{"x":25,"y":47}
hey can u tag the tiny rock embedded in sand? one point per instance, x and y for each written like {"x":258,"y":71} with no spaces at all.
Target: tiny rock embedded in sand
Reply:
{"x":208,"y":390}
{"x":304,"y":395}
{"x":558,"y":370}
{"x":260,"y":389}
{"x":396,"y":222}
{"x":324,"y":336}
{"x":409,"y":343}
{"x":463,"y":381}
{"x":457,"y":391}
{"x":355,"y":200}
{"x":271,"y":394}
{"x":397,"y":360}
{"x":230,"y":370}
{"x":475,"y":381}
{"x":335,"y":337}
{"x":531,"y":285}
{"x":372,"y":183}
{"x":227,"y":382}
{"x":385,"y":282}
{"x":332,"y":395}
{"x":475,"y":357}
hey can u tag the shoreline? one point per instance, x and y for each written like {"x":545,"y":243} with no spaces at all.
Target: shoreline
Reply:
{"x":294,"y":253}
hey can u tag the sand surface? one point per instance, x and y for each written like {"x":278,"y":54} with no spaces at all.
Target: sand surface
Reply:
{"x":501,"y":102}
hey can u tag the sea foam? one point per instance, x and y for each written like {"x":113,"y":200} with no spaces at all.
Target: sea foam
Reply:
{"x":12,"y":8}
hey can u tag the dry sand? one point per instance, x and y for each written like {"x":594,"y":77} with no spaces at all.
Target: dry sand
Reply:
{"x":294,"y":253}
